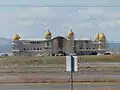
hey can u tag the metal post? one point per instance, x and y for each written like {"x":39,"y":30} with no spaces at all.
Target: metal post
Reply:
{"x":71,"y":80}
{"x":72,"y":70}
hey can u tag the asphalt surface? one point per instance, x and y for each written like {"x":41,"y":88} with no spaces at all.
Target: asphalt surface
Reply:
{"x":100,"y":64}
{"x":60,"y":87}
{"x":7,"y":75}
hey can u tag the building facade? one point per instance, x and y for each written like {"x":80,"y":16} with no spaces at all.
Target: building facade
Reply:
{"x":58,"y":45}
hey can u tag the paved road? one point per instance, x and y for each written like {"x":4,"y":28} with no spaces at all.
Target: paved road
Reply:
{"x":64,"y":73}
{"x":59,"y":87}
{"x":100,"y":64}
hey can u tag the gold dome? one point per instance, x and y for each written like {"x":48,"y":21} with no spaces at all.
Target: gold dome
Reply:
{"x":97,"y":36}
{"x":102,"y":37}
{"x":16,"y":37}
{"x":70,"y":33}
{"x":47,"y":34}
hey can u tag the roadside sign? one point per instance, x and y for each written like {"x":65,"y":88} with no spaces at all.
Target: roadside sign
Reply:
{"x":71,"y":63}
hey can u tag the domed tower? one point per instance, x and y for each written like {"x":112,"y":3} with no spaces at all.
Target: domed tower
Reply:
{"x":48,"y":43}
{"x":15,"y":37}
{"x":70,"y":35}
{"x":47,"y":35}
{"x":16,"y":45}
{"x":102,"y":37}
{"x":70,"y":42}
{"x":97,"y":37}
{"x":102,"y":40}
{"x":101,"y":43}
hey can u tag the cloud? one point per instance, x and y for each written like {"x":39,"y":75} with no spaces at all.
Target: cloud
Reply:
{"x":88,"y":17}
{"x":38,"y":13}
{"x":117,"y":22}
{"x":8,"y":16}
{"x":87,"y":21}
{"x":26,"y":23}
{"x":49,"y":15}
{"x":63,"y":2}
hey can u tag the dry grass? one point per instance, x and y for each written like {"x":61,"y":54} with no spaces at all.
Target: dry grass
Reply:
{"x":102,"y":58}
{"x":28,"y":64}
{"x":58,"y":59}
{"x":55,"y":62}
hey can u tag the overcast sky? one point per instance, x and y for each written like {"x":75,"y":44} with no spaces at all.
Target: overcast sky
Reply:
{"x":85,"y":21}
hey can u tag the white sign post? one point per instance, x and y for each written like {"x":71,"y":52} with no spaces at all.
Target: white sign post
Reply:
{"x":71,"y":65}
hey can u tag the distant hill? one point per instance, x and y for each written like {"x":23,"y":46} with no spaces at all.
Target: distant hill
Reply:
{"x":5,"y":41}
{"x":113,"y":47}
{"x":6,"y":45}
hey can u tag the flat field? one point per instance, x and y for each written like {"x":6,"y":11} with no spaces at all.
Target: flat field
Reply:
{"x":53,"y":68}
{"x":59,"y":59}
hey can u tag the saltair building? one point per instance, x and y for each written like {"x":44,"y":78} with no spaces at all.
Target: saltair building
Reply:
{"x":58,"y":45}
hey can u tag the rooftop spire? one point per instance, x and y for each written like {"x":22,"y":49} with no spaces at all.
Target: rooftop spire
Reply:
{"x":48,"y":29}
{"x":71,"y":29}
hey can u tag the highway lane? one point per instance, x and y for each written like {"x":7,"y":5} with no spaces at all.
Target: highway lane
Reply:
{"x":82,"y":64}
{"x":14,"y":75}
{"x":86,"y":86}
{"x":47,"y":78}
{"x":64,"y":74}
{"x":99,"y":64}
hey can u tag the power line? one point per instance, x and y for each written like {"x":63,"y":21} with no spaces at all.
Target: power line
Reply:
{"x":57,"y":6}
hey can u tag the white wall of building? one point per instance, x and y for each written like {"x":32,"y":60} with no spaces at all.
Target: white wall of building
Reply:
{"x":43,"y":47}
